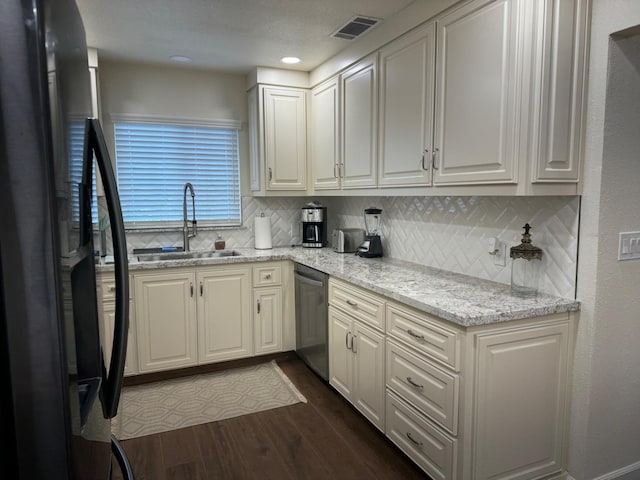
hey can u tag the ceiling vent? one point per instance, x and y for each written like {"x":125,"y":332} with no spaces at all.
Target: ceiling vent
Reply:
{"x":355,"y":27}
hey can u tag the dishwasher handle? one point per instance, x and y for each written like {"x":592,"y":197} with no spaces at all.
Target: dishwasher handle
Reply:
{"x":310,"y":281}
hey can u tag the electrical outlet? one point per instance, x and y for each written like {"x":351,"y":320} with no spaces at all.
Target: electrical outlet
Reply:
{"x":500,"y":258}
{"x":629,"y":246}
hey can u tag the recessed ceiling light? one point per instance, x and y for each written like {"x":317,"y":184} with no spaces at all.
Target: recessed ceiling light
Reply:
{"x":180,"y":59}
{"x":290,"y":60}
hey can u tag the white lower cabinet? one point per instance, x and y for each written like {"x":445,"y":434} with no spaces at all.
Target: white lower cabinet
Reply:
{"x":224,"y":315}
{"x":166,"y":320}
{"x":474,"y":403}
{"x":193,"y":316}
{"x":520,"y":401}
{"x":268,"y":307}
{"x":356,"y":364}
{"x":107,"y":313}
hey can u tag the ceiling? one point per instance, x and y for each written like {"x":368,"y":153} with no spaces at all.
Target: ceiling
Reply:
{"x":228,"y":35}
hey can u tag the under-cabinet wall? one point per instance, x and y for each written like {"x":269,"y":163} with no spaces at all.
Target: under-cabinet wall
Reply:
{"x":451,"y":233}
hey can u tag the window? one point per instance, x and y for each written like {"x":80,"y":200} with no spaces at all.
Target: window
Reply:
{"x":75,"y":148}
{"x":154,"y":160}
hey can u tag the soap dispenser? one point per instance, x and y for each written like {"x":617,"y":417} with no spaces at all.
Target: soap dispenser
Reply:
{"x":219,"y":243}
{"x":526,"y":266}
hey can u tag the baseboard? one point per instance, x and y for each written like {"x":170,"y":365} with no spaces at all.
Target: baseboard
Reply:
{"x":630,"y":472}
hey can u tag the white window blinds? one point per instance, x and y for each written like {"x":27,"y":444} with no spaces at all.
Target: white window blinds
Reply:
{"x":75,"y":148}
{"x":155,"y":160}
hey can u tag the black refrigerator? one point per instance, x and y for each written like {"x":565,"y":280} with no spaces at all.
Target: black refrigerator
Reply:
{"x":57,"y":396}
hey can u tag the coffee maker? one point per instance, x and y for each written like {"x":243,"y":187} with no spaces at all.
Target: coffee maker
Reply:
{"x":314,"y":225}
{"x":372,"y":245}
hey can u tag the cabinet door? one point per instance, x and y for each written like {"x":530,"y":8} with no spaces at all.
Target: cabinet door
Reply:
{"x":359,"y":124}
{"x":324,"y":134}
{"x":520,"y":407}
{"x":267,"y":304}
{"x":285,"y":138}
{"x":406,"y":109}
{"x":476,"y":93}
{"x":256,"y":139}
{"x":109,"y":314}
{"x":166,"y":321}
{"x":340,"y":354}
{"x":558,"y":89}
{"x":224,"y":314}
{"x":368,"y":373}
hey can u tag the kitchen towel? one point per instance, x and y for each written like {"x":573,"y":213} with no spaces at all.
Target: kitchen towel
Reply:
{"x":262,"y":230}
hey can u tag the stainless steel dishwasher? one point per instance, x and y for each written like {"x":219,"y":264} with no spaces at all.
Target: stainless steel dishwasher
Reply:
{"x":312,"y":322}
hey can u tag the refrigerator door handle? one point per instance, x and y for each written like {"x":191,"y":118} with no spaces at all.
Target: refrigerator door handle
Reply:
{"x":122,"y":459}
{"x":113,"y":384}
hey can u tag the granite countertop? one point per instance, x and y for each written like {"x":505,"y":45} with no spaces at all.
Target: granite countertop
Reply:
{"x":461,"y":299}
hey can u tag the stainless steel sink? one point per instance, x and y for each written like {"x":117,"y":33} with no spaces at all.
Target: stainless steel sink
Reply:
{"x":163,"y":257}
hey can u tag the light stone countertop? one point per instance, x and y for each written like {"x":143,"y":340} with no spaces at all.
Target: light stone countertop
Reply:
{"x":461,"y":299}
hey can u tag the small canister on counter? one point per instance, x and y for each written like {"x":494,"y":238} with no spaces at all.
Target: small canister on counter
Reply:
{"x":526,"y":266}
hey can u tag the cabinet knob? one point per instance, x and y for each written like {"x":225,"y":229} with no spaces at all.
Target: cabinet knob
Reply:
{"x":267,"y":276}
{"x":112,"y":288}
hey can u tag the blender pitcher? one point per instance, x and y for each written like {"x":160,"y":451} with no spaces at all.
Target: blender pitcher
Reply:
{"x":372,"y":245}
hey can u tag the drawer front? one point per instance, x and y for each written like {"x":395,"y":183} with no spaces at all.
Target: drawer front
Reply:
{"x":357,"y":302}
{"x":107,"y":288}
{"x":430,"y":389}
{"x":428,"y":336}
{"x":434,"y":451}
{"x":267,"y":275}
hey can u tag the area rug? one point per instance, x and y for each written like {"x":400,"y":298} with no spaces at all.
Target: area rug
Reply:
{"x":184,"y":402}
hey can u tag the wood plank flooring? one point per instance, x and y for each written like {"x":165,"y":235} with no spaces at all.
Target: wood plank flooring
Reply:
{"x":322,"y":439}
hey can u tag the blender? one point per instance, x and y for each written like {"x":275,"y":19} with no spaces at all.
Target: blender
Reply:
{"x":372,"y":245}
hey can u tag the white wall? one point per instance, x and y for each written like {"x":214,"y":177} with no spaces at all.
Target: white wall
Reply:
{"x":605,"y":428}
{"x":144,"y":89}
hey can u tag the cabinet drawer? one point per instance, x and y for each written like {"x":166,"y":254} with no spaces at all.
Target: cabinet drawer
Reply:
{"x":434,"y":451}
{"x":267,"y":275}
{"x":431,"y":390}
{"x":427,"y":335}
{"x":357,"y":302}
{"x":108,"y":290}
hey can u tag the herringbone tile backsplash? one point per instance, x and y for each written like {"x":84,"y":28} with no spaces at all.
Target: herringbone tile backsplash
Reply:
{"x":451,"y":233}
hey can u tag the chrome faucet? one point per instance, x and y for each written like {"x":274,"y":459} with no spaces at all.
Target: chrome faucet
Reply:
{"x":186,"y":235}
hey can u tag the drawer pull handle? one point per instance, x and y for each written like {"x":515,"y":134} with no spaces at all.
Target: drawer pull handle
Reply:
{"x":352,"y":303}
{"x":415,"y":442}
{"x":414,"y":384}
{"x":415,"y":335}
{"x":267,"y":276}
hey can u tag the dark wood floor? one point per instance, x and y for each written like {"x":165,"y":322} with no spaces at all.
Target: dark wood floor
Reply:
{"x":322,"y":439}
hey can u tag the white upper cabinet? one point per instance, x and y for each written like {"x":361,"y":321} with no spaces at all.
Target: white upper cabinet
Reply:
{"x":359,"y":124}
{"x":324,"y":135}
{"x":406,"y":109}
{"x":558,"y":83}
{"x":278,"y":138}
{"x":477,"y":89}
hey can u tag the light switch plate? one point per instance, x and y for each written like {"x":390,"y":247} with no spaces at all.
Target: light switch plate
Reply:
{"x":629,"y":246}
